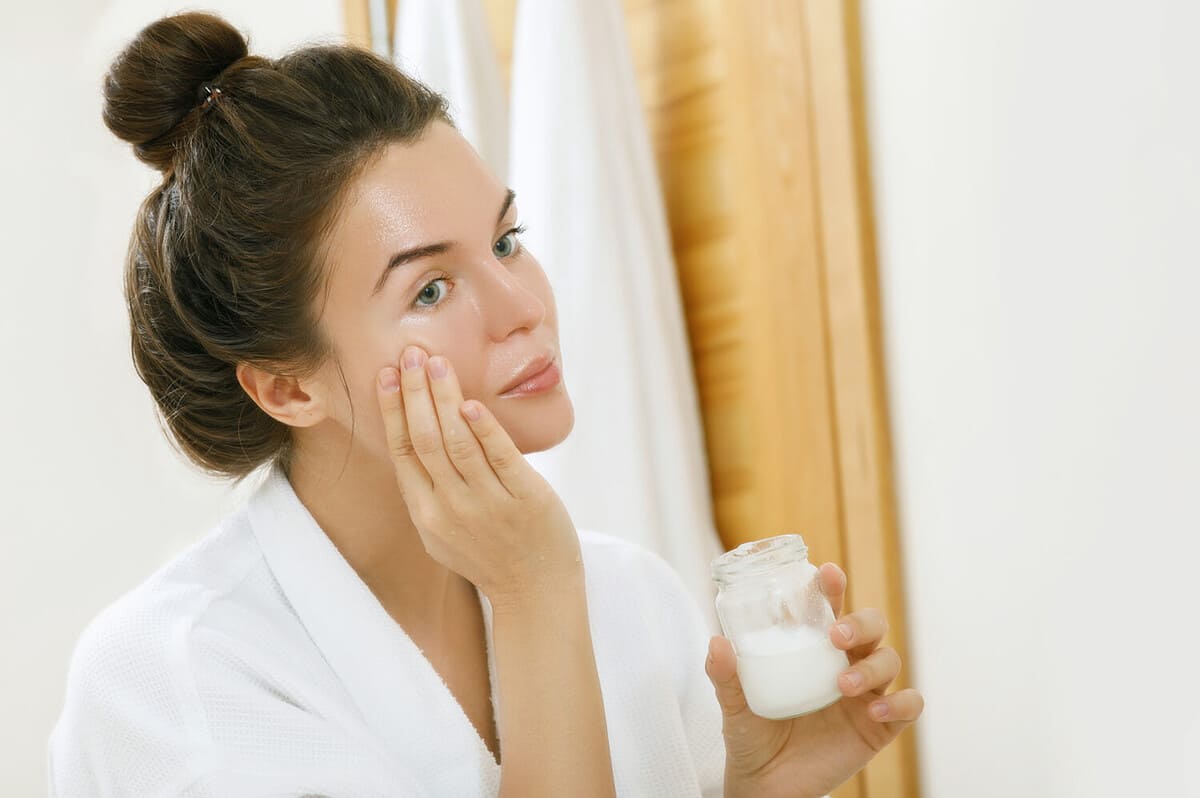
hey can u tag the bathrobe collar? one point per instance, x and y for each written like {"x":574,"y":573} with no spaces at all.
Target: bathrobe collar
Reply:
{"x":400,"y":695}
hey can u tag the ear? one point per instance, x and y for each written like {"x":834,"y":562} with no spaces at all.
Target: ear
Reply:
{"x":286,"y":399}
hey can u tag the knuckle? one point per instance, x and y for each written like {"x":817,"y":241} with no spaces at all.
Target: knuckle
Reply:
{"x":402,"y":448}
{"x":426,"y":442}
{"x":503,"y":460}
{"x":906,"y":704}
{"x":459,"y":448}
{"x":889,"y":661}
{"x":424,"y":518}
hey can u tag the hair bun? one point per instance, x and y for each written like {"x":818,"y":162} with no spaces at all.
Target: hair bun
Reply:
{"x":156,"y":80}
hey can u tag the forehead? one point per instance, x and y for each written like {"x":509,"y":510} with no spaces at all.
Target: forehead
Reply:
{"x":436,"y":188}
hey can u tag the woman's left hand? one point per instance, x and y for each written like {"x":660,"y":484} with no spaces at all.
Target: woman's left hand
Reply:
{"x":808,"y":756}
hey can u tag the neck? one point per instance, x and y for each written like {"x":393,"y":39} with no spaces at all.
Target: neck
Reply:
{"x":357,"y":503}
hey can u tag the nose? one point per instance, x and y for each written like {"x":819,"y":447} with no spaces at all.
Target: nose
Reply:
{"x":507,"y":299}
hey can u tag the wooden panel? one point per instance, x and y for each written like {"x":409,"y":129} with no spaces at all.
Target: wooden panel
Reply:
{"x":767,"y":108}
{"x":871,"y":549}
{"x":783,"y":362}
{"x":755,"y":115}
{"x":357,"y":17}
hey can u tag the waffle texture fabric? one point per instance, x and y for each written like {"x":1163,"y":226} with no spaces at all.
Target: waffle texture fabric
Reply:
{"x":257,"y":663}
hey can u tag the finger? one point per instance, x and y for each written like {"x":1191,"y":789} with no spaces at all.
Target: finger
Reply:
{"x":859,"y":632}
{"x":833,"y":585}
{"x":422,"y":420}
{"x":901,"y":708}
{"x":462,"y":447}
{"x":874,"y":672}
{"x":414,"y":482}
{"x":750,"y":740}
{"x":505,"y":458}
{"x":721,"y":667}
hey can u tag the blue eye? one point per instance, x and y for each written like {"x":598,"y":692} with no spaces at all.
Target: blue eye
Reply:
{"x":426,"y":295}
{"x":516,"y":245}
{"x":431,"y":294}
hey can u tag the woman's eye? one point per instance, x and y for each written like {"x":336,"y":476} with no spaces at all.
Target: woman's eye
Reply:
{"x":514,"y":247}
{"x":433,"y":296}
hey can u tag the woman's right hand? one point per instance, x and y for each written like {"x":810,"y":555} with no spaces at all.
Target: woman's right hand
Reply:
{"x":480,"y":508}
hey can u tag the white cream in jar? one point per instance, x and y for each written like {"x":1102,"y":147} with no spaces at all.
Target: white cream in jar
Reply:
{"x":789,"y":672}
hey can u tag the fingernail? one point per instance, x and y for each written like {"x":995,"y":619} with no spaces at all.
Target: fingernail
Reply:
{"x":854,"y":679}
{"x":388,"y":380}
{"x":879,"y":710}
{"x":844,"y":630}
{"x":437,"y":367}
{"x":472,"y":411}
{"x":412,"y":357}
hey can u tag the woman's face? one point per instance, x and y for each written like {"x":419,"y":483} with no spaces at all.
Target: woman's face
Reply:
{"x":480,"y":299}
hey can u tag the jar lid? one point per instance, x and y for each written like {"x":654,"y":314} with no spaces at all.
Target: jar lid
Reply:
{"x":756,"y":556}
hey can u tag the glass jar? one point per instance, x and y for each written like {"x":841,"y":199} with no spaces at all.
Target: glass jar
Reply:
{"x":773,"y":611}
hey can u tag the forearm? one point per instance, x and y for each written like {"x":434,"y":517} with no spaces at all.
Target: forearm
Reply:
{"x":553,"y":734}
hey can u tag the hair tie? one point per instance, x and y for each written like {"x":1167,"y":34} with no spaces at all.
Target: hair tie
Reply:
{"x":213,"y":93}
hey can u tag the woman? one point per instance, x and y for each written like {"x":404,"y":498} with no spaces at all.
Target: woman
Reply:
{"x":325,"y":274}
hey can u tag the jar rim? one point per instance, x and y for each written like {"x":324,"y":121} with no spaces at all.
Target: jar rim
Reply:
{"x":756,"y":556}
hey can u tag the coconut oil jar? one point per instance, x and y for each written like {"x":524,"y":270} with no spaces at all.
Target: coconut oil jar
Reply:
{"x":773,"y":611}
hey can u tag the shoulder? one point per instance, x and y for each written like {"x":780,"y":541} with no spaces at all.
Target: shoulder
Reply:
{"x":145,"y":629}
{"x":203,"y":677}
{"x":612,"y":561}
{"x":610,"y":558}
{"x":141,"y":624}
{"x":128,"y":702}
{"x":633,"y":585}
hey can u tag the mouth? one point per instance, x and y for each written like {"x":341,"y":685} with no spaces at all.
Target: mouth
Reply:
{"x":546,"y":376}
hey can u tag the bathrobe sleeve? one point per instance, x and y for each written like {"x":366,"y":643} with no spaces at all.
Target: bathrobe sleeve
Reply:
{"x":684,"y":635}
{"x":157,"y":709}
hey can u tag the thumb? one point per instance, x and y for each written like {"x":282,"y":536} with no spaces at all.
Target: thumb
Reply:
{"x":721,"y":667}
{"x":747,"y":735}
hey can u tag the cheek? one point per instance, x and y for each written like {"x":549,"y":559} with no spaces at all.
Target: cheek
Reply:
{"x":468,"y":371}
{"x":454,"y":339}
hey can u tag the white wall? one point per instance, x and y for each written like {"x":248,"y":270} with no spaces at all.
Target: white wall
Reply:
{"x":86,"y":478}
{"x":1038,"y":200}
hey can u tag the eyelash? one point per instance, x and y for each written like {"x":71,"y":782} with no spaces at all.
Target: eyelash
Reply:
{"x":518,"y":230}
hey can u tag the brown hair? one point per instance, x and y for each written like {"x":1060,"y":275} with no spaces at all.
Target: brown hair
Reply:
{"x":225,"y":262}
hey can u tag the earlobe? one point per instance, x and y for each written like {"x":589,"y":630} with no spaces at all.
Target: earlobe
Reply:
{"x":282,"y":398}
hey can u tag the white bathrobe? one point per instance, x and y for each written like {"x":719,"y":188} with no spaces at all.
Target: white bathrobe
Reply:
{"x":257,"y":663}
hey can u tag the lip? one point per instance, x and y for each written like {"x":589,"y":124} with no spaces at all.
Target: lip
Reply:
{"x":529,"y":378}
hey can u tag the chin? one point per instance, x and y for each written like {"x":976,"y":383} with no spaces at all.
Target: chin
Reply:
{"x":536,"y":424}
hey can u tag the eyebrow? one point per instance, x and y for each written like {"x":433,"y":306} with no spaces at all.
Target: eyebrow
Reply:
{"x":407,"y":256}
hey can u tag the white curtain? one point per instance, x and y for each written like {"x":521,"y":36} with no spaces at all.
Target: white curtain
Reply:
{"x":446,"y":44}
{"x":582,"y":166}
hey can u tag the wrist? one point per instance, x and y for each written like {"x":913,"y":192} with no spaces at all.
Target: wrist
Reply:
{"x":537,"y":596}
